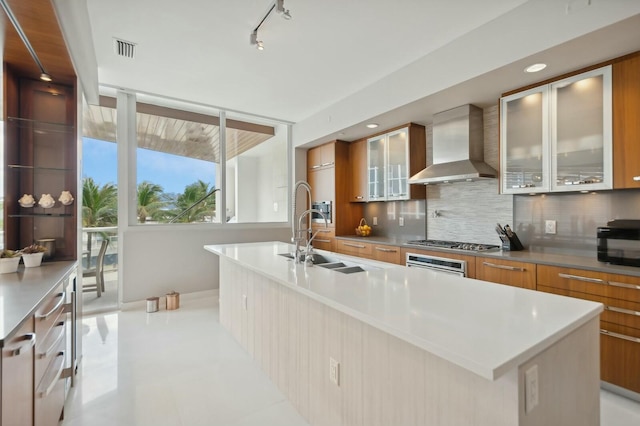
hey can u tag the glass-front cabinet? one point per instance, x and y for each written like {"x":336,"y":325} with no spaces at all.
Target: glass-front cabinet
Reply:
{"x":558,"y":137}
{"x":376,"y":166}
{"x":525,"y":142}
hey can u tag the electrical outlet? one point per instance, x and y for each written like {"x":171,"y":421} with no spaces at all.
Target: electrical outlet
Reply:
{"x":549,"y":226}
{"x":375,"y":220}
{"x":334,"y":371}
{"x":401,"y":221}
{"x":531,"y":389}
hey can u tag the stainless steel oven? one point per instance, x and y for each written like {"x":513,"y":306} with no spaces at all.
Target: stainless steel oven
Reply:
{"x":326,"y":207}
{"x":435,"y":263}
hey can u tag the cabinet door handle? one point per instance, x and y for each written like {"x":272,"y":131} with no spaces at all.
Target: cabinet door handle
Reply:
{"x":599,"y":281}
{"x":55,"y":308}
{"x":327,"y":164}
{"x":321,"y":241}
{"x":28,"y":340}
{"x":620,"y":336}
{"x":386,"y":250}
{"x":317,"y":166}
{"x":45,"y":392}
{"x":324,"y":231}
{"x":636,"y":178}
{"x":581,"y":278}
{"x":621,"y":310}
{"x":508,"y":268}
{"x":47,"y":352}
{"x":359,"y":197}
{"x":354,"y":245}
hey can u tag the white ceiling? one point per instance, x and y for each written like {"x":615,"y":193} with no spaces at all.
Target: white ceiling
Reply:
{"x":338,"y":63}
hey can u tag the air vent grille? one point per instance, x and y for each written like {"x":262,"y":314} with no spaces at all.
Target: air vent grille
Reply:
{"x":124,"y":48}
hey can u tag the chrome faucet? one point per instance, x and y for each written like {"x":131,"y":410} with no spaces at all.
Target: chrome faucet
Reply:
{"x":296,"y":236}
{"x":308,"y":251}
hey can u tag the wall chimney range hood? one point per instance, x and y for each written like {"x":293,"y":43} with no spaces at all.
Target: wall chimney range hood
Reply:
{"x":458,"y":148}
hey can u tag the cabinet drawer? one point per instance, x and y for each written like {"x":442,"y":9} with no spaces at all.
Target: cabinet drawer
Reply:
{"x":615,"y":311}
{"x":324,"y":239}
{"x":599,"y":283}
{"x":17,"y":377}
{"x":49,"y":394}
{"x":619,"y":355}
{"x":355,"y":248}
{"x":48,"y":347}
{"x":385,"y":253}
{"x":49,"y":311}
{"x":517,"y":274}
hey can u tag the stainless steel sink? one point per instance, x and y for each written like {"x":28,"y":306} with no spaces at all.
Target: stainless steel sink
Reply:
{"x":334,"y":264}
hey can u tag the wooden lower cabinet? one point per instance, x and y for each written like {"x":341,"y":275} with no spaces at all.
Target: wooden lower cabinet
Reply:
{"x":619,"y":323}
{"x":355,"y":248}
{"x":388,"y":253}
{"x":17,"y":377}
{"x":509,"y":272}
{"x":325,"y":238}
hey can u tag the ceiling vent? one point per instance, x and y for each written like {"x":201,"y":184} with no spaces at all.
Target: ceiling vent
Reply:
{"x":124,"y":48}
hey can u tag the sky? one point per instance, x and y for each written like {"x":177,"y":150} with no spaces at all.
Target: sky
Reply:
{"x":172,"y":172}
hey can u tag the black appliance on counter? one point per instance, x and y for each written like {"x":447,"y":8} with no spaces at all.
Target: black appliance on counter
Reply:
{"x":619,"y":242}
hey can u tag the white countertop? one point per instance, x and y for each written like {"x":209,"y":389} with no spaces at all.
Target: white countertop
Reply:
{"x":484,"y":327}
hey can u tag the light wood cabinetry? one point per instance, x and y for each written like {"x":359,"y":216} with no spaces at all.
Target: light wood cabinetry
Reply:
{"x":619,"y":323}
{"x":388,"y":253}
{"x":382,"y":164}
{"x":557,"y":137}
{"x":509,"y":272}
{"x":469,"y":260}
{"x":328,"y":175}
{"x":325,"y":239}
{"x":355,"y":248}
{"x":16,"y":372}
{"x":626,"y":126}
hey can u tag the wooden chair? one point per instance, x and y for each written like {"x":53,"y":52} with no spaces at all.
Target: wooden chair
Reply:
{"x":97,"y":272}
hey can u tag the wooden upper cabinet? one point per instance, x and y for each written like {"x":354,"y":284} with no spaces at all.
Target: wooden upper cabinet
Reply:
{"x":626,"y":124}
{"x":517,"y":274}
{"x":358,"y":167}
{"x":321,"y":156}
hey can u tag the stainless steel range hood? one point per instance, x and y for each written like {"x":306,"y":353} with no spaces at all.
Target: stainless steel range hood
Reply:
{"x":458,"y":148}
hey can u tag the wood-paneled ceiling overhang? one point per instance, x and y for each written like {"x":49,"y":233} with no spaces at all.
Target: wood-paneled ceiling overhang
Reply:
{"x":40,"y":25}
{"x":176,"y":132}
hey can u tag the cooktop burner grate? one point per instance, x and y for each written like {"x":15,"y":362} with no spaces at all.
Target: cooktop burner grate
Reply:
{"x":457,"y":245}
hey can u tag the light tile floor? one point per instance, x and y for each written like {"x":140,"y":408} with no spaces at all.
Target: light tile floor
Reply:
{"x":181,"y":368}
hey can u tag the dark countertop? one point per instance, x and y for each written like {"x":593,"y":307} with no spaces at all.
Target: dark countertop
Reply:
{"x":590,"y":263}
{"x":21,"y":292}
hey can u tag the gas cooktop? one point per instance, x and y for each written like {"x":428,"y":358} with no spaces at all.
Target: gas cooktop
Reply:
{"x":453,"y":245}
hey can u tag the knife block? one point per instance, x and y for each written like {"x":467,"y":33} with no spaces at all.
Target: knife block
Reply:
{"x":511,"y":243}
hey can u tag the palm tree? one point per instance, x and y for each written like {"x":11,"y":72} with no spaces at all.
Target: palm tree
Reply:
{"x":99,"y":206}
{"x":150,"y":201}
{"x":192,"y":193}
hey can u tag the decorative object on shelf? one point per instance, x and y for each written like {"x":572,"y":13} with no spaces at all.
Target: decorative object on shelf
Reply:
{"x":50,"y":247}
{"x":32,"y":255}
{"x":173,"y":301}
{"x":46,"y":201}
{"x":66,"y":198}
{"x":9,"y":260}
{"x":363,"y":230}
{"x":27,"y":201}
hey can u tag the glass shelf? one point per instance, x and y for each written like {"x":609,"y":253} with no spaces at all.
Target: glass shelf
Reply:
{"x":42,"y":215}
{"x":36,"y":168}
{"x":40,"y":126}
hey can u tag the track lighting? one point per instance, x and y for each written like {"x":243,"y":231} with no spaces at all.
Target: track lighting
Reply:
{"x":45,"y":77}
{"x":279,"y":8}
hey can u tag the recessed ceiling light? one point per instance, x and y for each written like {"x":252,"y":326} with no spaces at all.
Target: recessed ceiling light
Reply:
{"x":372,"y":125}
{"x":535,"y":67}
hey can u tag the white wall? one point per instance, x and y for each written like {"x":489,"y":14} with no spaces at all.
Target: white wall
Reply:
{"x":158,"y":259}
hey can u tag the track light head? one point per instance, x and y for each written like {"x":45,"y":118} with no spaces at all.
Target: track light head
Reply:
{"x":254,"y":40}
{"x":280,"y":9}
{"x":45,"y":77}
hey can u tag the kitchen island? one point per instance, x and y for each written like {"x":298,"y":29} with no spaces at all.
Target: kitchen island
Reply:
{"x":413,"y":346}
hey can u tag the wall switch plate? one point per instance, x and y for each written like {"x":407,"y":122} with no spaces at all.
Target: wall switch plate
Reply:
{"x":334,"y":371}
{"x":531,"y":389}
{"x":549,"y":226}
{"x":401,"y":221}
{"x":375,"y":220}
